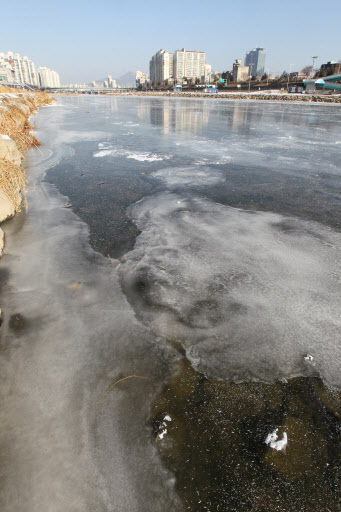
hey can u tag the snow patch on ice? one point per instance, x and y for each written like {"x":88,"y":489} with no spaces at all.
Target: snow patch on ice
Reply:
{"x":309,"y":358}
{"x":272,"y":440}
{"x":108,"y":150}
{"x":164,"y":425}
{"x":191,"y":175}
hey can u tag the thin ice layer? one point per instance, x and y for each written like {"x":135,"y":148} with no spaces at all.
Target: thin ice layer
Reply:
{"x":68,"y":335}
{"x":248,"y":294}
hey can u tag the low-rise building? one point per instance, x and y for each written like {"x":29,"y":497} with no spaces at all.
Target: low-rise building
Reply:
{"x":240,"y":73}
{"x":330,"y":68}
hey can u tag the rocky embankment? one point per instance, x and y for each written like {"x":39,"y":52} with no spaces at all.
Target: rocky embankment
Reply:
{"x":16,"y":138}
{"x":268,"y":96}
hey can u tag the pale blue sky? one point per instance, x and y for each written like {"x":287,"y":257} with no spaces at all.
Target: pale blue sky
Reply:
{"x":86,"y":40}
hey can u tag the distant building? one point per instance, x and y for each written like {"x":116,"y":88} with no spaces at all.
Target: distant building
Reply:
{"x":330,"y":68}
{"x":189,"y":64}
{"x":22,"y":68}
{"x":6,"y":74}
{"x":182,"y":66}
{"x":240,"y":73}
{"x":255,"y":60}
{"x":141,"y":78}
{"x":161,"y":67}
{"x":207,"y":78}
{"x":48,"y":77}
{"x":111,"y":82}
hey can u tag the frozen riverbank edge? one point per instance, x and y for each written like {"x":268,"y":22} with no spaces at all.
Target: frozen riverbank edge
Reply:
{"x":275,"y":95}
{"x":16,"y":138}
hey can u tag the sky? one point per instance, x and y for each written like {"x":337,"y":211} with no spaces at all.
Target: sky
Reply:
{"x":85,"y":41}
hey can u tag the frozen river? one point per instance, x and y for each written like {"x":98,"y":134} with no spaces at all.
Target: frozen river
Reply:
{"x":171,"y":301}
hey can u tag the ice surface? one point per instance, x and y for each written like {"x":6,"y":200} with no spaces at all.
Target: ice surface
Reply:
{"x":135,"y":155}
{"x":66,"y":440}
{"x":194,"y":175}
{"x":248,"y":294}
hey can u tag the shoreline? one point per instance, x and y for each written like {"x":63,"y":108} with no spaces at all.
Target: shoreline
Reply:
{"x":16,"y":137}
{"x":260,"y":96}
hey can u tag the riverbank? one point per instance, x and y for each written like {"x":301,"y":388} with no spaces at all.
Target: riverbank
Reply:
{"x":16,"y":138}
{"x":267,"y":96}
{"x":272,"y":95}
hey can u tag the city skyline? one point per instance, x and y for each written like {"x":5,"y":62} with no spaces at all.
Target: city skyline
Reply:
{"x":85,"y":44}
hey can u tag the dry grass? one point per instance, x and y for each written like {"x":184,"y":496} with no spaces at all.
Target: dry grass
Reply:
{"x":14,"y":122}
{"x":13,"y":183}
{"x":6,"y":88}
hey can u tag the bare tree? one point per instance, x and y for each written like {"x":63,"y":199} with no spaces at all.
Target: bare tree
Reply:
{"x":307,"y":70}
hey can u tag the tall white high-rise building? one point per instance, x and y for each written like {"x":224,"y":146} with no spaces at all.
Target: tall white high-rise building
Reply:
{"x":48,"y":77}
{"x":23,"y":69}
{"x":189,"y":64}
{"x":161,"y":66}
{"x":6,"y":72}
{"x":111,"y":82}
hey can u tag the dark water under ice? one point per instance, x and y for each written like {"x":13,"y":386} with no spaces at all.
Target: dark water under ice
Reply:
{"x":220,"y":300}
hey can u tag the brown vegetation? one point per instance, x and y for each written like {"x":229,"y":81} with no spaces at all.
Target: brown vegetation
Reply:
{"x":14,"y":122}
{"x":13,"y":183}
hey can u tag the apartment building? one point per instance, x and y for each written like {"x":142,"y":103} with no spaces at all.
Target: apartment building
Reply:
{"x":189,"y":64}
{"x":48,"y":77}
{"x":161,"y":67}
{"x":22,"y":68}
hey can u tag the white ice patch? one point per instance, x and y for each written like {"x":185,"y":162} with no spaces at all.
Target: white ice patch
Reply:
{"x":193,"y":175}
{"x":272,"y":440}
{"x":107,"y":150}
{"x":164,"y":425}
{"x":309,"y":358}
{"x":246,"y":292}
{"x":163,"y":433}
{"x":146,"y":157}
